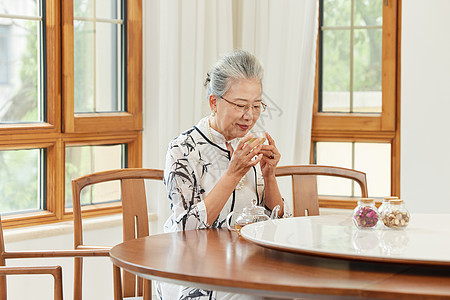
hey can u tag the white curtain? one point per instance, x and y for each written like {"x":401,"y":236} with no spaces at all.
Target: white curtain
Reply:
{"x":183,"y":39}
{"x":282,"y":34}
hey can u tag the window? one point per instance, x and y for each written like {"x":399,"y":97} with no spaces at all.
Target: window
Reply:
{"x":71,"y":104}
{"x":22,"y":63}
{"x":99,"y":41}
{"x":21,"y":191}
{"x":82,"y":160}
{"x":355,"y":123}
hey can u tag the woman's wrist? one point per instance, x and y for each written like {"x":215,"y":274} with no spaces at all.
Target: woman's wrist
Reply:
{"x":232,"y":177}
{"x":269,"y":178}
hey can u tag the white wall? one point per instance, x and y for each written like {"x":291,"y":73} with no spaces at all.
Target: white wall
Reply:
{"x":425,"y":105}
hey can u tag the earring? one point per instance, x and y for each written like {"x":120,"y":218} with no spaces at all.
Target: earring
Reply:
{"x":213,"y":113}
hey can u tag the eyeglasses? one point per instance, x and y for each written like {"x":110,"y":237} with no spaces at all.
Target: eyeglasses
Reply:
{"x":256,"y":108}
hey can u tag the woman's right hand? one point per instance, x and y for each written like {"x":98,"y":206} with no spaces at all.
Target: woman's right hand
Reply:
{"x":242,"y":157}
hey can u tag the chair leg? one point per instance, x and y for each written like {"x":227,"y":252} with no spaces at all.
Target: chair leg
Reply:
{"x":117,"y":283}
{"x":2,"y":287}
{"x":147,"y":290}
{"x":58,"y":289}
{"x":78,"y":278}
{"x":139,"y":286}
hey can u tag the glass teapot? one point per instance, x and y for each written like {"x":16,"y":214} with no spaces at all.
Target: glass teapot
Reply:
{"x":250,"y":215}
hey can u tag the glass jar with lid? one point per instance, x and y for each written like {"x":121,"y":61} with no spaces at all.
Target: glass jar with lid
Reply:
{"x":365,"y":214}
{"x":396,"y":215}
{"x":385,"y":204}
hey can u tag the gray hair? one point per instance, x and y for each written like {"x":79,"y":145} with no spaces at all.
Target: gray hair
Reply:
{"x":239,"y":64}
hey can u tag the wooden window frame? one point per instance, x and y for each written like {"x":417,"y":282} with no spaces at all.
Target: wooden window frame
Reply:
{"x":132,"y":118}
{"x":65,"y":128}
{"x":358,"y":127}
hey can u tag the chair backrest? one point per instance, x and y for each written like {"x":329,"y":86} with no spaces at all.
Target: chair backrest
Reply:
{"x":134,"y":211}
{"x":304,"y":185}
{"x":55,"y":271}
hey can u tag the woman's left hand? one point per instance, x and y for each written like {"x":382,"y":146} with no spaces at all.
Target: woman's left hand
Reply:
{"x":271,"y":157}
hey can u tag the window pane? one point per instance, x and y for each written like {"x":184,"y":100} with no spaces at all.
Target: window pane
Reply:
{"x":368,"y":12}
{"x":84,"y":66}
{"x":20,"y":7}
{"x":83,"y":8}
{"x":98,"y":57}
{"x":109,"y":84}
{"x":351,"y":59}
{"x":336,"y":71}
{"x":83,"y":160}
{"x":334,"y":154}
{"x":20,"y":180}
{"x":21,"y":70}
{"x":4,"y":55}
{"x":107,"y":9}
{"x":367,"y":70}
{"x":374,"y":159}
{"x":336,"y":12}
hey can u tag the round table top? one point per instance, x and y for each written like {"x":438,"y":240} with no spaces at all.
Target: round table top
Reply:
{"x":221,"y":260}
{"x":425,"y":241}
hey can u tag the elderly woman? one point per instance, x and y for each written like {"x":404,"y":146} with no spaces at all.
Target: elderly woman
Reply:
{"x":216,"y":167}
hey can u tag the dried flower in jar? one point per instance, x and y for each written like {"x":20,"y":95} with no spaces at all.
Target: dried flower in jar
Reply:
{"x":395,"y":219}
{"x":396,"y":215}
{"x":365,"y":217}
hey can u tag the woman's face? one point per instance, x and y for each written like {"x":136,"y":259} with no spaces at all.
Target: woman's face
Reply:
{"x":230,"y":120}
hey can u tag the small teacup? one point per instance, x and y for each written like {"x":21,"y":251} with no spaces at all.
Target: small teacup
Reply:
{"x":258,"y":134}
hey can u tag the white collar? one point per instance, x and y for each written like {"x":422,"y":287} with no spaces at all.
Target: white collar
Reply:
{"x":214,"y":136}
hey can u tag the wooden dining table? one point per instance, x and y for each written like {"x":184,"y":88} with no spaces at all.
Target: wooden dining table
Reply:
{"x":218,"y":259}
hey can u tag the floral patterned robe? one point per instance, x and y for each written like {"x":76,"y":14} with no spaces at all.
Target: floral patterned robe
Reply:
{"x":195,"y":162}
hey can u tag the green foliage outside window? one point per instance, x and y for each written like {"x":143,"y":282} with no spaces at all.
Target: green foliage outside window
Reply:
{"x":19,"y":180}
{"x":367,"y":45}
{"x":19,"y":169}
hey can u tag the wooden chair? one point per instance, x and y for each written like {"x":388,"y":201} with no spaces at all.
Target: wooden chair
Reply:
{"x":55,"y":271}
{"x":135,"y":224}
{"x":304,"y":185}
